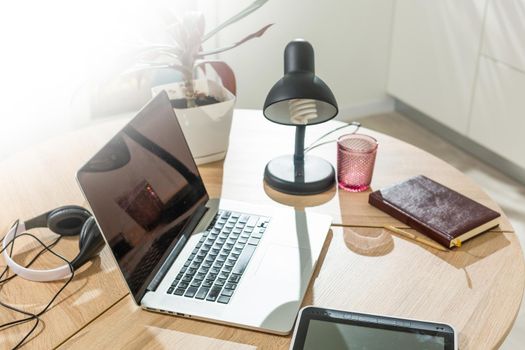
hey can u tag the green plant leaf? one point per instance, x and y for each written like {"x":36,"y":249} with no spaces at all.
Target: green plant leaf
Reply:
{"x":254,"y":6}
{"x":256,"y":34}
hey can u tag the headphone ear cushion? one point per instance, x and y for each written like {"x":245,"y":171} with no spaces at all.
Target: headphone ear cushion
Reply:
{"x":90,"y":243}
{"x":68,"y":220}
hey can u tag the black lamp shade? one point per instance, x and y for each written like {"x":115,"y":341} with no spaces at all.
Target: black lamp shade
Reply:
{"x":299,"y":82}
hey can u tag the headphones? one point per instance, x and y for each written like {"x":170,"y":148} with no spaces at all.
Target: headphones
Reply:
{"x":70,"y":220}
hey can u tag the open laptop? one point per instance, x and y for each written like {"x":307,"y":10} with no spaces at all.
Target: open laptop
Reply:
{"x":184,"y":254}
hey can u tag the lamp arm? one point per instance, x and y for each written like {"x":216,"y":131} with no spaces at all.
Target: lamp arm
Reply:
{"x":299,"y":143}
{"x":298,"y":157}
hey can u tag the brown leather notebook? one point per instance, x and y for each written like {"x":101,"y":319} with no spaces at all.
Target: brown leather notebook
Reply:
{"x":442,"y":214}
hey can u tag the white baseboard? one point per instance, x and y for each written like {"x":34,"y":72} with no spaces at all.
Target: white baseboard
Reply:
{"x":353,"y":112}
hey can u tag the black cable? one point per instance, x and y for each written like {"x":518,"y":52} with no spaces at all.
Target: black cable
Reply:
{"x":32,"y":316}
{"x":42,"y":251}
{"x":15,"y":224}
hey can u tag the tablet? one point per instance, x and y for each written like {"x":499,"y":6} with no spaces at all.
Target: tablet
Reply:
{"x":319,"y":328}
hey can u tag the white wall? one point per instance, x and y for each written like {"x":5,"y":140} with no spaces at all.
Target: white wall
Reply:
{"x":351,"y":40}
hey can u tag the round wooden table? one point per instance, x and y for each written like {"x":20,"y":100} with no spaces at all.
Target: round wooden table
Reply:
{"x":477,"y":288}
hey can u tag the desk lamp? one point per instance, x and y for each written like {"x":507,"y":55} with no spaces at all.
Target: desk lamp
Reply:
{"x":299,"y":98}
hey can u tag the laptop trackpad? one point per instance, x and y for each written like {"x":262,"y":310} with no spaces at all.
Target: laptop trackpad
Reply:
{"x":280,"y":281}
{"x":286,"y":262}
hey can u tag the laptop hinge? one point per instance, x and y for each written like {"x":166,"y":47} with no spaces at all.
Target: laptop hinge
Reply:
{"x":190,"y":227}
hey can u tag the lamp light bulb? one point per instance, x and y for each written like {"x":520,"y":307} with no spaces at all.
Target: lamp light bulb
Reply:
{"x":302,"y":111}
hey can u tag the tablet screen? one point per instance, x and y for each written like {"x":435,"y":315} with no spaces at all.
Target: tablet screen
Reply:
{"x":328,"y":329}
{"x":329,"y":335}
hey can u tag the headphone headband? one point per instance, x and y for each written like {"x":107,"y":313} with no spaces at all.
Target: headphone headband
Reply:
{"x":31,"y":274}
{"x":66,"y":221}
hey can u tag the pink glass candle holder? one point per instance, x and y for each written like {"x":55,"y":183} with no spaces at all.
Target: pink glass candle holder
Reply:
{"x":356,"y":156}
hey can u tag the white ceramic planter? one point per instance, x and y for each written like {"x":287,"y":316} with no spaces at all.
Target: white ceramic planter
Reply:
{"x":206,"y":128}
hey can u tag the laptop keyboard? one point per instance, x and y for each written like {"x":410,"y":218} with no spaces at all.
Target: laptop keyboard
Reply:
{"x":216,"y":265}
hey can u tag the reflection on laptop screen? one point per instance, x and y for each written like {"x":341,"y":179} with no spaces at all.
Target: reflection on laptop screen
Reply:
{"x":143,"y":187}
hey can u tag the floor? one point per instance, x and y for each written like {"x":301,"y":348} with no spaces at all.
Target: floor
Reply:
{"x":509,"y":194}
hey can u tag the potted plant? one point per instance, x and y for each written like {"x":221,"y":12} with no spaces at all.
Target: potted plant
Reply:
{"x":203,"y":105}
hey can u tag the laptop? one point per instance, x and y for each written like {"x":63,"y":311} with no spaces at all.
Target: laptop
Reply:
{"x":182,"y":253}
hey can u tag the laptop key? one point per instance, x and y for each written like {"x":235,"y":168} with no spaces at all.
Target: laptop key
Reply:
{"x":253,"y":241}
{"x":207,"y":283}
{"x":190,"y":292}
{"x":214,"y":293}
{"x":170,"y":290}
{"x":252,"y":221}
{"x":223,"y":299}
{"x":227,"y":292}
{"x":196,"y":283}
{"x":186,"y":278}
{"x":234,"y":278}
{"x":201,"y":294}
{"x":257,"y":235}
{"x":179,"y":291}
{"x":231,"y":286}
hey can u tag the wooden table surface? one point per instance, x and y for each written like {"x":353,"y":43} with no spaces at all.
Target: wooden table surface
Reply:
{"x":477,"y":288}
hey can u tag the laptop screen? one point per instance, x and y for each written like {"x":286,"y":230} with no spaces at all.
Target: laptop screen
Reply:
{"x":143,"y":187}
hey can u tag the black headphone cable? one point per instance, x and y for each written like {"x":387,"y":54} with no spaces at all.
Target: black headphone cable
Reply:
{"x":31,"y":316}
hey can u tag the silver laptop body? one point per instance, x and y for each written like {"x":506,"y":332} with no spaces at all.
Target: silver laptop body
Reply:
{"x":184,"y":254}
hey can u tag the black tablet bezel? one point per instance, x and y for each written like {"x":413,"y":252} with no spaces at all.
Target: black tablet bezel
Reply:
{"x":367,"y":320}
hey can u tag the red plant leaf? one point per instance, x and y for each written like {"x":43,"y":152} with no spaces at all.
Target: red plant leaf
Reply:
{"x":224,"y":72}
